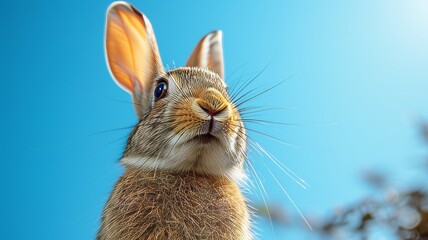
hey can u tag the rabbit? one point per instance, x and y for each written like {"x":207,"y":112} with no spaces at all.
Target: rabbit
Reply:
{"x":184,"y":160}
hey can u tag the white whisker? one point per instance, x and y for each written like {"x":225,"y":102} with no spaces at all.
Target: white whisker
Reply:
{"x":289,"y":198}
{"x":284,"y":168}
{"x":264,"y":200}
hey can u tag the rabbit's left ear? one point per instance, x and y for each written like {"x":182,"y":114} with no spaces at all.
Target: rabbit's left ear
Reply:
{"x":209,"y":53}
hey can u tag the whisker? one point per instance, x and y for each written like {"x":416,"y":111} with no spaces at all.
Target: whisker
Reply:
{"x":257,"y":112}
{"x":167,"y":141}
{"x":289,"y":198}
{"x":248,"y":83}
{"x":249,"y":184}
{"x":179,"y":137}
{"x":265,"y":91}
{"x":284,"y":168}
{"x":237,"y":83}
{"x":104,"y":97}
{"x":233,"y":73}
{"x":126,"y":136}
{"x":253,"y":120}
{"x":273,"y":138}
{"x":260,"y":151}
{"x":260,"y":184}
{"x":111,"y":130}
{"x":263,"y":108}
{"x":301,"y":182}
{"x":176,"y":84}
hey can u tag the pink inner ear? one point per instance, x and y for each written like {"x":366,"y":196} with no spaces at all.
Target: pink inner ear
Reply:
{"x":132,"y":53}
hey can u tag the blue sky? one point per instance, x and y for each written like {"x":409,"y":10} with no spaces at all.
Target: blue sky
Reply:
{"x":359,"y":87}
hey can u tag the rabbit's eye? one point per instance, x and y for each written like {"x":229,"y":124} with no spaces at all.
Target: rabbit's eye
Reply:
{"x":161,"y":89}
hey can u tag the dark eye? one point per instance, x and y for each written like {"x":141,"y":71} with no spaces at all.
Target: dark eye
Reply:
{"x":161,"y":89}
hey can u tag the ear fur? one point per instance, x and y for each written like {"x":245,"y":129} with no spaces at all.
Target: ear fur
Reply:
{"x":208,"y":53}
{"x":132,"y":53}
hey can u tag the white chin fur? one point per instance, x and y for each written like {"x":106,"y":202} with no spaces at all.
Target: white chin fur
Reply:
{"x":212,"y":158}
{"x":211,"y":161}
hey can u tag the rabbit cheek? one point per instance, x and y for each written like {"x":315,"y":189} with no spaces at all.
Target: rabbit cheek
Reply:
{"x":185,"y":119}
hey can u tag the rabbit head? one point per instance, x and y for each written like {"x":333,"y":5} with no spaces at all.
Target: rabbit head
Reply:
{"x":188,"y":122}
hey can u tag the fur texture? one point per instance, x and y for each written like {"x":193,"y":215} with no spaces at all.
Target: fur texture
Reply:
{"x":165,"y":138}
{"x":161,"y":205}
{"x":184,"y":158}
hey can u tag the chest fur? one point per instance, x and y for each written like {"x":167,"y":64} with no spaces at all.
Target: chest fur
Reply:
{"x":149,"y":205}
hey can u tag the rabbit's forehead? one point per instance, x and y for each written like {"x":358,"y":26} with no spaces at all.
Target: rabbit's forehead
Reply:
{"x":191,"y":77}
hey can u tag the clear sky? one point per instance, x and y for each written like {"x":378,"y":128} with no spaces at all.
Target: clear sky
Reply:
{"x":359,"y":86}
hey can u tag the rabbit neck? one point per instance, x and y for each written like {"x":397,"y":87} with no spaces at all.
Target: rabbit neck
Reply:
{"x":166,"y":205}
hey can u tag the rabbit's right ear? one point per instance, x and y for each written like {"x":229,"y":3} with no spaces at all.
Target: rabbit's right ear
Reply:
{"x":132,"y":53}
{"x":208,"y":53}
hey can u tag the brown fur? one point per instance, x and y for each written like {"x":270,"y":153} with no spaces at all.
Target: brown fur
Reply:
{"x":189,"y":144}
{"x":162,"y":205}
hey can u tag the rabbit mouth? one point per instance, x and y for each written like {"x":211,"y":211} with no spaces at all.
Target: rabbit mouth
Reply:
{"x":205,"y":138}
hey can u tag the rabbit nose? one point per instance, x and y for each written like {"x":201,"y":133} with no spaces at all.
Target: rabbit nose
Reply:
{"x":211,"y":110}
{"x":212,"y":102}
